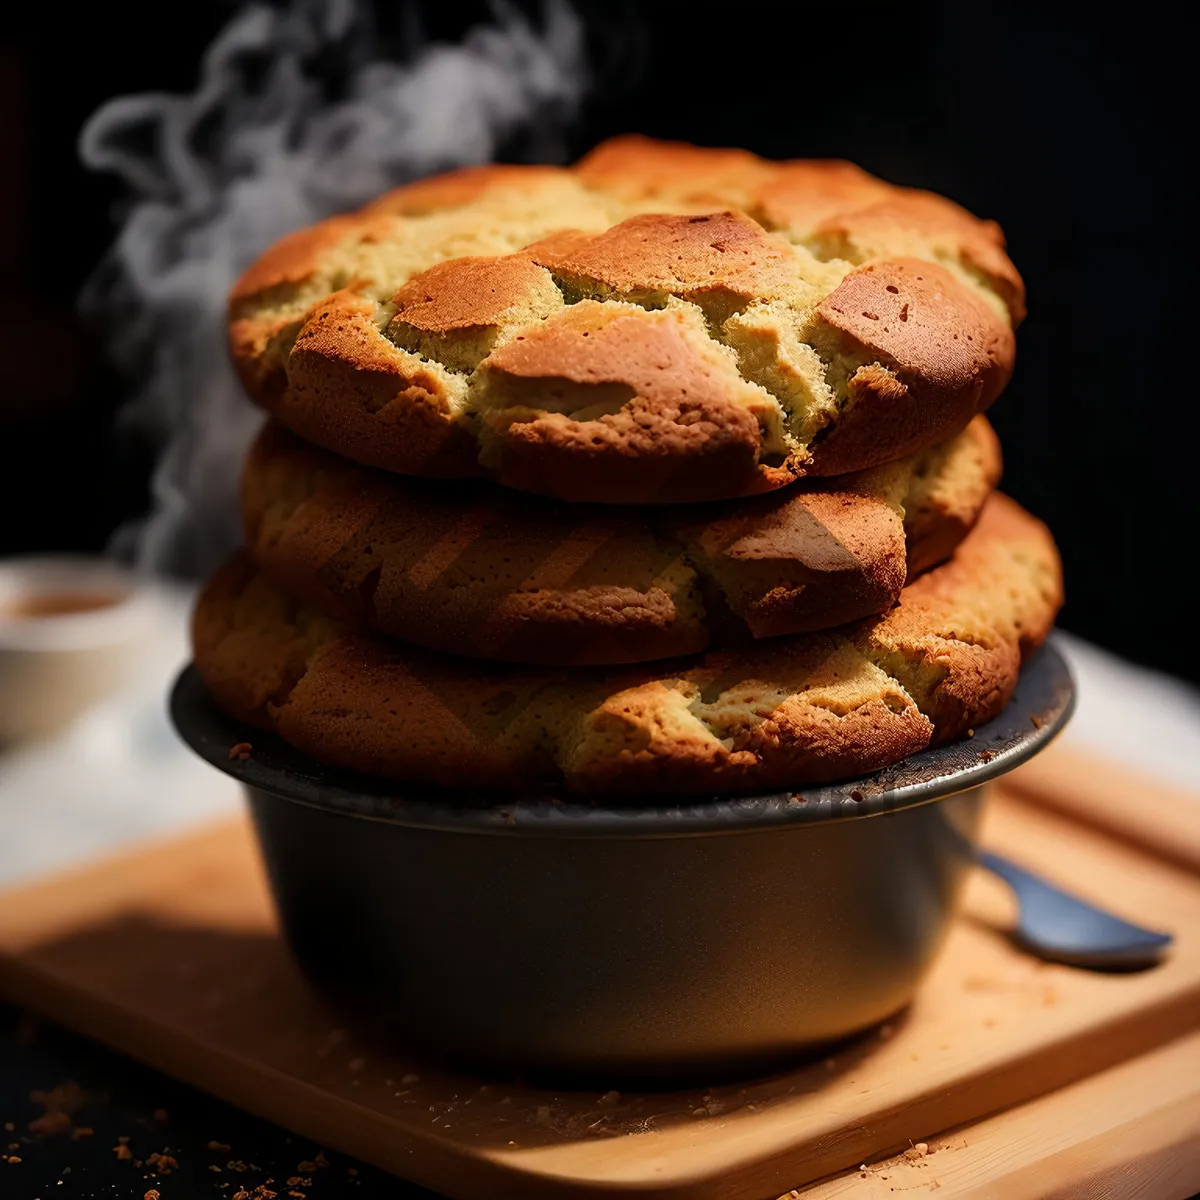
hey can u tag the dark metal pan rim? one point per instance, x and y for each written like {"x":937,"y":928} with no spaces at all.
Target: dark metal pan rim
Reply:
{"x":1041,"y":706}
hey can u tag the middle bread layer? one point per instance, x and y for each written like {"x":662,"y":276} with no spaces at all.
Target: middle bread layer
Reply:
{"x":474,"y":569}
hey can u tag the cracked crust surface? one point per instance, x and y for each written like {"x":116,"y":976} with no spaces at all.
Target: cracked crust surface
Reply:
{"x":473,"y":569}
{"x":660,"y":323}
{"x":782,"y":714}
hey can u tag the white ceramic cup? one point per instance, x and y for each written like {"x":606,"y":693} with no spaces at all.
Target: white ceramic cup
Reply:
{"x":72,"y":630}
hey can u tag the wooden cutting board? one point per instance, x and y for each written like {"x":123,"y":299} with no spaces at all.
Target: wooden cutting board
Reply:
{"x":1132,"y":1130}
{"x":170,"y":954}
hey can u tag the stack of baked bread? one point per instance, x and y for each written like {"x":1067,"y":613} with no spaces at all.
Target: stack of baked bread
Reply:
{"x":664,"y":473}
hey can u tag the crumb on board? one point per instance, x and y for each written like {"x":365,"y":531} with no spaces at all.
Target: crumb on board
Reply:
{"x":151,"y":1194}
{"x":122,"y":1152}
{"x":11,"y":1159}
{"x":919,"y":1150}
{"x":163,"y":1163}
{"x":219,"y":1147}
{"x":240,"y":752}
{"x":81,"y":1131}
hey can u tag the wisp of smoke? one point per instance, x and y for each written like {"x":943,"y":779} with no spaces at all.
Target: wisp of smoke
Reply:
{"x":258,"y":150}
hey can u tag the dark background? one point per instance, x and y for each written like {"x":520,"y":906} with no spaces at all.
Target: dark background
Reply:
{"x":1056,"y":130}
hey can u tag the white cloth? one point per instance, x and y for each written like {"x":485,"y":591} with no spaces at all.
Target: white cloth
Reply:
{"x":1144,"y":719}
{"x":120,"y":774}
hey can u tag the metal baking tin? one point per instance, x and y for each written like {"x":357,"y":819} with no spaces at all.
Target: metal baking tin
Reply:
{"x":635,"y":941}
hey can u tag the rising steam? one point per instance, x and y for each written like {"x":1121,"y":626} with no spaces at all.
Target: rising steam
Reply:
{"x":257,"y":150}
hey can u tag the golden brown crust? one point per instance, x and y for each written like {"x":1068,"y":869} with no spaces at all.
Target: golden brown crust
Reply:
{"x":929,"y":351}
{"x":476,"y":570}
{"x":291,"y":261}
{"x":779,"y":714}
{"x":396,"y":410}
{"x":946,"y":493}
{"x":804,"y":195}
{"x":462,"y":186}
{"x":766,"y":269}
{"x":634,"y":169}
{"x":633,"y":402}
{"x":916,"y":218}
{"x":958,"y":636}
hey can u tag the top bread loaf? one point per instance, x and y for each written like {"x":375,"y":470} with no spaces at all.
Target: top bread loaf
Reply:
{"x":659,"y":324}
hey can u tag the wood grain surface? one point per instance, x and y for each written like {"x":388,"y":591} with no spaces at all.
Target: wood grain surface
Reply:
{"x":1154,"y":814}
{"x":1132,"y":1130}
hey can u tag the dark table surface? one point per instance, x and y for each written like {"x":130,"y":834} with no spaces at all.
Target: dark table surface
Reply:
{"x":44,"y":1069}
